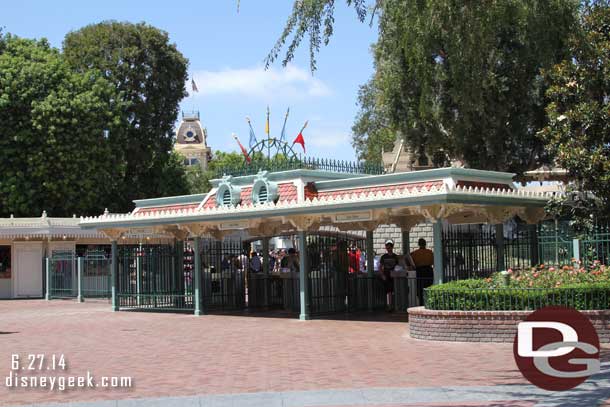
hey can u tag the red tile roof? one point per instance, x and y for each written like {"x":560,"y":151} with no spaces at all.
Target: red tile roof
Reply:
{"x":287,"y":192}
{"x":378,"y":188}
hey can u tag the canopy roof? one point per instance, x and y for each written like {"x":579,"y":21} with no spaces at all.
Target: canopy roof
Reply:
{"x":272,"y":203}
{"x":45,"y":227}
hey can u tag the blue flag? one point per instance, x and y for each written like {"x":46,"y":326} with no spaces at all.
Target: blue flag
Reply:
{"x":253,"y":140}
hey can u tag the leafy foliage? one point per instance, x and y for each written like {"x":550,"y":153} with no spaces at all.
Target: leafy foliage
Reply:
{"x":151,"y":74}
{"x":578,"y":132}
{"x":372,"y":131}
{"x":464,"y":77}
{"x":53,"y":152}
{"x":314,"y":18}
{"x":525,"y":290}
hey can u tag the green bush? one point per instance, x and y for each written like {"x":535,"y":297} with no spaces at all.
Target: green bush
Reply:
{"x":476,"y":295}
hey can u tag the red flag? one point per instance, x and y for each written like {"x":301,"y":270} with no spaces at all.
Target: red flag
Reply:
{"x":243,"y":149}
{"x":300,"y":140}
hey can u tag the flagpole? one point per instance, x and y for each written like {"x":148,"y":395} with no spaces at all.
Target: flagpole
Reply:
{"x":268,"y":137}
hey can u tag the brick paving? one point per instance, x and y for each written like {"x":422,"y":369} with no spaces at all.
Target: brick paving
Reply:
{"x":181,"y":355}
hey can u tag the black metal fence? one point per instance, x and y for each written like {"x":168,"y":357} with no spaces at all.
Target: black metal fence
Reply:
{"x":311,"y":163}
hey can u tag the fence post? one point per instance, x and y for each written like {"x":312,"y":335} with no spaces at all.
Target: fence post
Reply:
{"x":437,"y":231}
{"x":501,"y":264}
{"x":48,"y":278}
{"x":303,"y":276}
{"x":576,"y":250}
{"x":370,"y":265}
{"x":139,"y":277}
{"x":266,"y":262}
{"x":534,"y":247}
{"x":114,"y":272}
{"x":197,"y":289}
{"x":79,"y":270}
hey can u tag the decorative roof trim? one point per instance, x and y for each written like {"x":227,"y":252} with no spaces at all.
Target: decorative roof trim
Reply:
{"x":444,"y":194}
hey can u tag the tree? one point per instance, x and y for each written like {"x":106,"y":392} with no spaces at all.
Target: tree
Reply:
{"x":465,"y":77}
{"x":151,"y":75}
{"x":372,"y":131}
{"x":578,"y":131}
{"x":54,"y":155}
{"x":314,"y":18}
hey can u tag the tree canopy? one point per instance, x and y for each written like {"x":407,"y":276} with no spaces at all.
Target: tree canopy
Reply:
{"x":578,"y":131}
{"x":151,"y":74}
{"x":54,"y":155}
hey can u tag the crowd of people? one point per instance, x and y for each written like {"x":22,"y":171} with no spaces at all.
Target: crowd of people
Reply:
{"x":418,"y":263}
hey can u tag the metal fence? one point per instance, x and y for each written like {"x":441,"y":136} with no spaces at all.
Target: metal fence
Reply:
{"x":78,"y":275}
{"x":311,"y":163}
{"x":472,"y":251}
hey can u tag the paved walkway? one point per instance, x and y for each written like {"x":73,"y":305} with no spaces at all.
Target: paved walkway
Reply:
{"x":220,"y":360}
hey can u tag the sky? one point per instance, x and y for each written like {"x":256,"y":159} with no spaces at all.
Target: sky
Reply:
{"x":226,"y":50}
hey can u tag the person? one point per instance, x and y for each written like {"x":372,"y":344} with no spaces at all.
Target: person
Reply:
{"x":354,"y":260}
{"x":292,"y":260}
{"x":424,"y":261}
{"x":387,"y":263}
{"x":255,"y":263}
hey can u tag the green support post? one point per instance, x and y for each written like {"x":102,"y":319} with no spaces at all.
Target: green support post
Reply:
{"x":197,"y":288}
{"x":576,"y":251}
{"x":406,"y":242}
{"x":370,"y":266}
{"x":139,"y":279}
{"x":501,"y":265}
{"x":114,"y":271}
{"x":303,"y":277}
{"x":80,"y":266}
{"x":534,"y":247}
{"x":48,"y":278}
{"x":437,"y":231}
{"x":266,"y":278}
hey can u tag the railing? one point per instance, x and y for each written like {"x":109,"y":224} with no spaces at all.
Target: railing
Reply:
{"x":310,"y":163}
{"x":516,"y":299}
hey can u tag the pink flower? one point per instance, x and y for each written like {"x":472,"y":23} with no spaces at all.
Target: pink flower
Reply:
{"x":551,"y":268}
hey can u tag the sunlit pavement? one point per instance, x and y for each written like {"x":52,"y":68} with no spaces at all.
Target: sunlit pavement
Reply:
{"x":227,"y":360}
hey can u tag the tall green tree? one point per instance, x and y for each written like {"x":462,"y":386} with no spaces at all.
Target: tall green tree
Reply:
{"x":465,"y":77}
{"x":150,"y":73}
{"x":372,"y":131}
{"x":54,"y":154}
{"x":578,"y":131}
{"x":459,"y":76}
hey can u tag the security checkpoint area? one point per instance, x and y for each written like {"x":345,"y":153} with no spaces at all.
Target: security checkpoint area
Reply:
{"x":192,"y":252}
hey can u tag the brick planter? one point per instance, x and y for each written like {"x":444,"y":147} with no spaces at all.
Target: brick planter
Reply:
{"x":483,"y":326}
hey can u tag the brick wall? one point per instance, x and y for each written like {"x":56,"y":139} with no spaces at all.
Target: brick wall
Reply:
{"x":483,"y":326}
{"x":385,"y":232}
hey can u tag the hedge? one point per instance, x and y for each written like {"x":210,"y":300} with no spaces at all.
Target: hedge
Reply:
{"x":472,"y":295}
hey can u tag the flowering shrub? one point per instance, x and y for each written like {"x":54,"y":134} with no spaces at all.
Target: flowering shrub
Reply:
{"x":544,"y":276}
{"x":578,"y":287}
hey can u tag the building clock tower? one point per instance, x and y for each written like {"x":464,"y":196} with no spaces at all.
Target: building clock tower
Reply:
{"x":191,"y":141}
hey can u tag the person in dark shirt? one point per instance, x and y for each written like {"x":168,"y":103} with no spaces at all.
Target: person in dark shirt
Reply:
{"x":387,"y":263}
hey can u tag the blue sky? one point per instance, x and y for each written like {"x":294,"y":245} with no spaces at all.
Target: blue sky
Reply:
{"x":226,"y":52}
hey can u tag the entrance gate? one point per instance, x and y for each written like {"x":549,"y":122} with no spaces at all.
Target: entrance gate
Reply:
{"x":63,"y":279}
{"x":153,"y":277}
{"x":223,"y":266}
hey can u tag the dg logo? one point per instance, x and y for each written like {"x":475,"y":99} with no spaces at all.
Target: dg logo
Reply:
{"x":557,"y":348}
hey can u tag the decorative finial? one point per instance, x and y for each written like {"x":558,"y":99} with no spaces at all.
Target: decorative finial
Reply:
{"x":106,"y":212}
{"x":44,"y":214}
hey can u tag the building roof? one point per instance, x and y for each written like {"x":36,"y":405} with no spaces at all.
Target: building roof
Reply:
{"x":308,"y":200}
{"x":45,"y":227}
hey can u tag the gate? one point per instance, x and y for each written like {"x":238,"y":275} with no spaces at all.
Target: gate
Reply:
{"x":336,"y":281}
{"x":469,"y":251}
{"x":63,"y":277}
{"x":223,"y":266}
{"x":153,"y":277}
{"x":96,"y":279}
